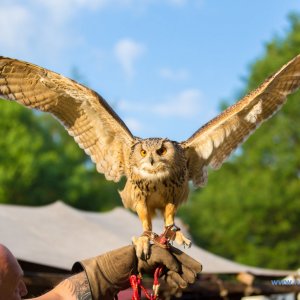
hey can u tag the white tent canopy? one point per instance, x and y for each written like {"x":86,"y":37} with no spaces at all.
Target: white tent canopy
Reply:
{"x":57,"y":235}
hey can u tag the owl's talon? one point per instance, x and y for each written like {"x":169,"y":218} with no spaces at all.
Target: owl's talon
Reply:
{"x":173,"y":233}
{"x":182,"y":240}
{"x":142,"y":246}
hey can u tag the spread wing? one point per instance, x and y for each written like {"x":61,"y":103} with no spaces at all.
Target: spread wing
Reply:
{"x":214,"y":142}
{"x":86,"y":115}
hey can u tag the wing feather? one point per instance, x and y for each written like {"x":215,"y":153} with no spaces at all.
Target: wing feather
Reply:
{"x":95,"y":127}
{"x":212,"y":144}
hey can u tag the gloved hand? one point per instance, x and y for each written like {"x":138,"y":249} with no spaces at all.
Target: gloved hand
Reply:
{"x":109,"y":273}
{"x":181,"y":269}
{"x":189,"y":270}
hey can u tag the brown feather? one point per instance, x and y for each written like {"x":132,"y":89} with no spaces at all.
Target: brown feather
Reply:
{"x":86,"y":115}
{"x":212,"y":144}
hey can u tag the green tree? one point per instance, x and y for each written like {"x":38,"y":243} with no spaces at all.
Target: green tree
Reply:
{"x":40,"y":163}
{"x":250,"y":209}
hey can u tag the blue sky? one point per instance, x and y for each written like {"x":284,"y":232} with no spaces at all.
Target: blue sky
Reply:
{"x":163,"y":65}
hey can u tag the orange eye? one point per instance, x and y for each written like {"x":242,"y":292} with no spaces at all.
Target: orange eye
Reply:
{"x":161,"y":151}
{"x":143,"y":152}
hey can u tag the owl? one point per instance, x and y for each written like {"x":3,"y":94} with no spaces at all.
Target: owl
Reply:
{"x":158,"y":170}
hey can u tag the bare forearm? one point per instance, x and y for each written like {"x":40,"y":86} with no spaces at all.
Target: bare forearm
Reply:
{"x":76,"y":287}
{"x":73,"y":288}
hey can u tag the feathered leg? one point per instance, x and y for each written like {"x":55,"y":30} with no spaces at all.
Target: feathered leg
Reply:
{"x":142,"y":243}
{"x":169,"y":215}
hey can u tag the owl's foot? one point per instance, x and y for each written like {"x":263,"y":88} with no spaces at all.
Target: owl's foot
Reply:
{"x":180,"y":239}
{"x":174,"y":234}
{"x":142,"y":246}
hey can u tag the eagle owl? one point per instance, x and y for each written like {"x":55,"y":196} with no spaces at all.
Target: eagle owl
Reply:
{"x":158,"y":170}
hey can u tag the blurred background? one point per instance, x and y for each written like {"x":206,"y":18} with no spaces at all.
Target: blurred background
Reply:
{"x":166,"y":67}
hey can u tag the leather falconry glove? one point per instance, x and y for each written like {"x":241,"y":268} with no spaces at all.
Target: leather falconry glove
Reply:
{"x":189,"y":271}
{"x":181,"y":269}
{"x":109,"y":273}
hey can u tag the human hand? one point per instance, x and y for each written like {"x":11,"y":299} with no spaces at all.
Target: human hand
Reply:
{"x":180,"y":268}
{"x":109,"y":273}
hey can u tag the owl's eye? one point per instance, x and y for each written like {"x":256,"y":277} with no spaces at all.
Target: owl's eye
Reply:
{"x":143,"y":152}
{"x":161,"y":151}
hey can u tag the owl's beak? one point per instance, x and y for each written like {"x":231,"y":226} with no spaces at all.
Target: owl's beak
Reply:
{"x":151,"y":160}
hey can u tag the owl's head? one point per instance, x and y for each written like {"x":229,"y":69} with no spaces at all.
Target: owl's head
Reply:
{"x":155,"y":158}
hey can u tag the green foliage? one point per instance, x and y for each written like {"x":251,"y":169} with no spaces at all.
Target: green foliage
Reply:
{"x":40,"y":163}
{"x":250,"y":209}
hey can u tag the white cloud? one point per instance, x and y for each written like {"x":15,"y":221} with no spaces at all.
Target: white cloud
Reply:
{"x":181,"y":3}
{"x":175,"y":116}
{"x":177,"y":2}
{"x":128,"y":52}
{"x":186,"y":104}
{"x":31,"y":28}
{"x":15,"y":20}
{"x":133,"y":124}
{"x":43,"y":28}
{"x":61,"y":10}
{"x":175,"y":75}
{"x":133,"y":106}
